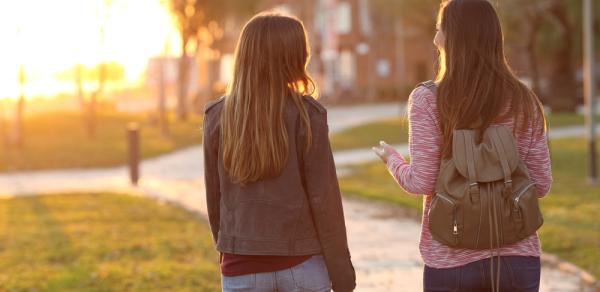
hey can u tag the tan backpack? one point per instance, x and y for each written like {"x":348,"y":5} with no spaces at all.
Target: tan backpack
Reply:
{"x":484,"y":197}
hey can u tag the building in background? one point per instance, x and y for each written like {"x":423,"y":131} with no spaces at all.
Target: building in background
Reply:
{"x":358,"y":53}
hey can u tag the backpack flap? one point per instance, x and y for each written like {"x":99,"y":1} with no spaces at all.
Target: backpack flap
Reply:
{"x":483,"y":162}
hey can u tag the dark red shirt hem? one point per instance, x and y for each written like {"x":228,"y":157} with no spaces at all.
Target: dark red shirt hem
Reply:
{"x":237,"y":265}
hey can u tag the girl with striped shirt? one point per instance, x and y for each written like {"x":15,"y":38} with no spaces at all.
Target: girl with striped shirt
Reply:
{"x":476,"y":89}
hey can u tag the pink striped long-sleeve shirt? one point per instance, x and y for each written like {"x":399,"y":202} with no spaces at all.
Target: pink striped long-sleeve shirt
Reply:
{"x":419,"y":177}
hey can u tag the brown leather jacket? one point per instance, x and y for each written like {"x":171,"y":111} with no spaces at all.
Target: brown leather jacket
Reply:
{"x":297,"y":213}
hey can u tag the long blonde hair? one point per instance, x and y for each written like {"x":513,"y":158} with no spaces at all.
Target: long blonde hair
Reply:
{"x":270,"y":67}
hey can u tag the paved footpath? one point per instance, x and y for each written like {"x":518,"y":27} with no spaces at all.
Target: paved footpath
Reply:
{"x":383,"y":240}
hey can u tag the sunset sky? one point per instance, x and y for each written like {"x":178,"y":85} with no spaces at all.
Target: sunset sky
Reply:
{"x":55,"y":35}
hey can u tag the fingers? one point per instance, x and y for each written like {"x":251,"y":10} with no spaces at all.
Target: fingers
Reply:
{"x":378,"y":151}
{"x":381,"y":151}
{"x":385,"y":151}
{"x":386,"y":146}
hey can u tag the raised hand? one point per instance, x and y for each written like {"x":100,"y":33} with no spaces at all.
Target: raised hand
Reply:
{"x":384,"y":151}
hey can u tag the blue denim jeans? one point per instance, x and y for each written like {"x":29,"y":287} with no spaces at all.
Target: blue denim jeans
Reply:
{"x":310,"y":275}
{"x":518,"y":273}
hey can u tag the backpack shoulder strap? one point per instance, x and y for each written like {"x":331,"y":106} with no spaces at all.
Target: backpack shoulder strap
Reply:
{"x":463,"y":155}
{"x":504,"y":152}
{"x":429,"y":84}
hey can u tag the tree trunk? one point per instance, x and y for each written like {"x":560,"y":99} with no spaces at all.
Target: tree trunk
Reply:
{"x":562,"y":82}
{"x":204,"y":66}
{"x":79,"y":85}
{"x":163,"y":119}
{"x":91,"y":115}
{"x":19,"y":125}
{"x":3,"y":127}
{"x":92,"y":105}
{"x":182,"y":80}
{"x":81,"y":95}
{"x":535,"y":25}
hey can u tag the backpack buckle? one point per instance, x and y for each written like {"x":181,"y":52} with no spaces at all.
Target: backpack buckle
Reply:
{"x":474,"y":192}
{"x":508,"y":187}
{"x":474,"y":187}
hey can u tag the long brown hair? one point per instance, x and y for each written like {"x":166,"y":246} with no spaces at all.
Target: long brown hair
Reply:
{"x":476,"y":84}
{"x":270,"y":68}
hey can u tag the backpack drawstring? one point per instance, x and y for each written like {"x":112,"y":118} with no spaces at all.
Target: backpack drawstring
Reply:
{"x":493,"y":221}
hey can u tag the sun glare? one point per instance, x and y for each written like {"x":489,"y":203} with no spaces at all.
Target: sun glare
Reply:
{"x":50,"y":37}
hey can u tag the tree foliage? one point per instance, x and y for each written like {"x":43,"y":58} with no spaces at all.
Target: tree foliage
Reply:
{"x":202,"y":21}
{"x":549,"y":31}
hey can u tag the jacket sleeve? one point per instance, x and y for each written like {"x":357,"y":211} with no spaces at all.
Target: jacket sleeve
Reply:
{"x":325,"y":201}
{"x":211,"y":178}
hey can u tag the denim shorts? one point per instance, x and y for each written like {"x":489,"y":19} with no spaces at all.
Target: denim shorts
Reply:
{"x":517,"y":273}
{"x":310,"y":275}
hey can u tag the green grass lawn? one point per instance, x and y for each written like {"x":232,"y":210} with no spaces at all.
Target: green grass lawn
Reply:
{"x":572,"y":220}
{"x":566,"y":119}
{"x":103,"y":242}
{"x":395,"y":131}
{"x":59,"y":140}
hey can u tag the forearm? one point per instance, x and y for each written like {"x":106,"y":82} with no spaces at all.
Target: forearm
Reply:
{"x":404,"y":174}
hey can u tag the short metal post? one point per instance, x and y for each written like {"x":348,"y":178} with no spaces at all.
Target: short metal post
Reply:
{"x":133,"y":146}
{"x":589,"y":81}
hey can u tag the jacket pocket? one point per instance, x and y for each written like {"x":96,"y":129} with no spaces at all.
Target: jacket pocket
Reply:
{"x":444,"y":222}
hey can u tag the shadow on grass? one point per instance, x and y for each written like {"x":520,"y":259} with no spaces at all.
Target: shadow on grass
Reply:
{"x":103,"y":242}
